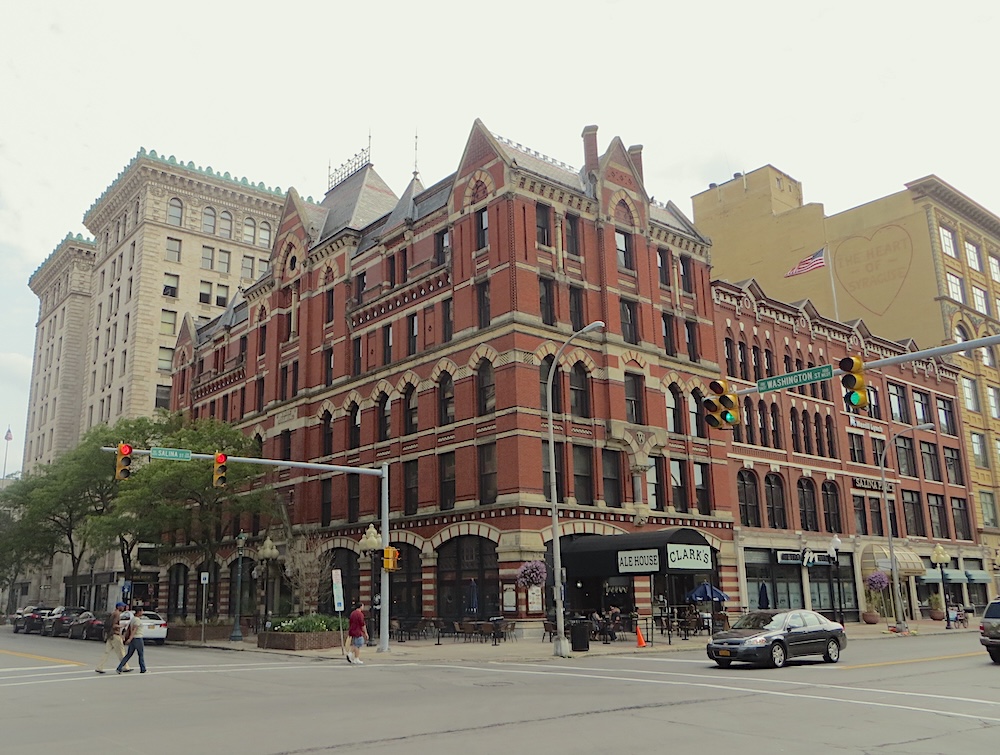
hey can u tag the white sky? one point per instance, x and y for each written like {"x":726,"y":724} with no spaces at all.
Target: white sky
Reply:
{"x":851,"y":98}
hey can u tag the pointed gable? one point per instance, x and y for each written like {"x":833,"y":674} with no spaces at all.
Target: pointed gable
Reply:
{"x":617,"y":169}
{"x":405,"y":210}
{"x":299,"y":227}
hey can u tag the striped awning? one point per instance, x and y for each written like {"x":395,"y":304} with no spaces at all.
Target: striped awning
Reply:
{"x":875,"y":557}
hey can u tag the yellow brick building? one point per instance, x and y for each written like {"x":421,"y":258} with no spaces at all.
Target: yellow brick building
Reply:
{"x":921,"y":264}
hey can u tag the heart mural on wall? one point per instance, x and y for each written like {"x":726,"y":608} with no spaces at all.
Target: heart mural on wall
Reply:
{"x":872,"y":269}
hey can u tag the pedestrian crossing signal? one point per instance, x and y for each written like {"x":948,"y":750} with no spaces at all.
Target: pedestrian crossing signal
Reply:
{"x":853,"y":381}
{"x":123,"y":461}
{"x":722,"y":410}
{"x":390,"y":559}
{"x":219,"y":471}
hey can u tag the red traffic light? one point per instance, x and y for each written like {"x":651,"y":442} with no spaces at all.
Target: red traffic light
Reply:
{"x":220,"y":458}
{"x":124,"y":449}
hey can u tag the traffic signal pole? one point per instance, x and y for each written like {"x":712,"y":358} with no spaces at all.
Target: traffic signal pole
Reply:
{"x":381,"y":472}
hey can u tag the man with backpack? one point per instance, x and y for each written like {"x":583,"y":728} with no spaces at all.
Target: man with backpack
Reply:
{"x":113,"y":638}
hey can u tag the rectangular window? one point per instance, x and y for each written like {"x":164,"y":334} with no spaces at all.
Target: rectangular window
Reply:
{"x":573,"y":235}
{"x":547,"y":472}
{"x":979,"y":301}
{"x":447,"y":321}
{"x":260,"y":394}
{"x":446,"y":478}
{"x":223,"y":262}
{"x":442,"y":244}
{"x":691,"y":337}
{"x":546,"y":300}
{"x":543,"y":225}
{"x":583,"y":488}
{"x":960,"y":515}
{"x":856,"y":444}
{"x":629,"y":316}
{"x":207,"y":257}
{"x":328,"y":308}
{"x":295,"y":378}
{"x":283,"y":381}
{"x":987,"y":504}
{"x":221,"y":295}
{"x":623,"y":246}
{"x":165,"y":359}
{"x":173,"y":250}
{"x":905,"y":459}
{"x":948,"y":242}
{"x":634,"y":399}
{"x":946,"y":416}
{"x":913,"y":514}
{"x":170,"y":284}
{"x":263,"y":266}
{"x":412,"y":331}
{"x":972,"y":256}
{"x":899,"y":408}
{"x":995,"y":268}
{"x":938,"y":516}
{"x":328,"y":366}
{"x":993,"y":395}
{"x":953,"y":466}
{"x":979,"y":455}
{"x":929,"y":456}
{"x":483,"y":304}
{"x":875,"y":514}
{"x":487,"y":473}
{"x":611,"y":474}
{"x":411,"y":487}
{"x":168,"y":323}
{"x":679,"y":486}
{"x":687,"y":276}
{"x":162,"y":400}
{"x":353,"y":497}
{"x":956,"y":287}
{"x":701,"y":489}
{"x":576,"y":315}
{"x":482,"y":220}
{"x":669,"y":339}
{"x":246,"y":269}
{"x":970,"y":392}
{"x":262,"y":339}
{"x":921,"y":407}
{"x":360,"y":282}
{"x":390,"y":270}
{"x":387,"y":344}
{"x":356,"y":356}
{"x":326,"y":502}
{"x":205,"y":292}
{"x":663,"y":266}
{"x":860,"y":517}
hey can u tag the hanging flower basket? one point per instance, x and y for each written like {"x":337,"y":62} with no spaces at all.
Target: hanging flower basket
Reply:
{"x":531,"y":574}
{"x":875,"y":585}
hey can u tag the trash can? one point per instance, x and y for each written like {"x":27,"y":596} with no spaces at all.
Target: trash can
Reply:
{"x":579,"y":636}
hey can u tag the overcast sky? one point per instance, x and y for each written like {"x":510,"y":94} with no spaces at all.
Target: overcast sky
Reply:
{"x":852,"y":98}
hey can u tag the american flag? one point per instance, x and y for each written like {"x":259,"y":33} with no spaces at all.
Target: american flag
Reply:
{"x":812,"y":262}
{"x":9,"y":436}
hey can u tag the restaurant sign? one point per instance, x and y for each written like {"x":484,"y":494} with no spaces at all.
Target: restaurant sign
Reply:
{"x":695,"y":557}
{"x":639,"y":562}
{"x":866,"y":483}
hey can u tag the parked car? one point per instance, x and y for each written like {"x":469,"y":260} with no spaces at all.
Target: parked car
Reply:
{"x":772,"y":637}
{"x":989,"y":630}
{"x":59,"y":619}
{"x":154,"y":628}
{"x":87,"y":626}
{"x":31,"y":619}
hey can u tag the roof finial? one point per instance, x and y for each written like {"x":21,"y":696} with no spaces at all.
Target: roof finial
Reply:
{"x":415,"y":136}
{"x":369,"y":142}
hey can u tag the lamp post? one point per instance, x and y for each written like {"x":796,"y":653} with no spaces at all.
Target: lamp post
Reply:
{"x":370,"y":543}
{"x":241,"y":540}
{"x":833,"y":553}
{"x":266,"y":554}
{"x":897,"y":598}
{"x":559,"y":643}
{"x":940,"y":557}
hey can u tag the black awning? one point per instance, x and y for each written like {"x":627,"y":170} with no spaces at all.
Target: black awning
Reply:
{"x":597,"y":555}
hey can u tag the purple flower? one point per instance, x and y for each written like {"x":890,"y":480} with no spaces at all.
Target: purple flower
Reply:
{"x":531,"y":573}
{"x":877,"y":581}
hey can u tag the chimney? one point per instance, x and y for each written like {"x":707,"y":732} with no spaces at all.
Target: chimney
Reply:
{"x":589,"y":148}
{"x":635,"y":153}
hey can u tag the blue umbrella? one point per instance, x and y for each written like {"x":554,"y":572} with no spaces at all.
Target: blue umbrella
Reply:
{"x":763,"y":601}
{"x":473,"y":597}
{"x":706,"y":592}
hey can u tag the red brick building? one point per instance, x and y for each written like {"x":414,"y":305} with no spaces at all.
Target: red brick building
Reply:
{"x":418,"y":330}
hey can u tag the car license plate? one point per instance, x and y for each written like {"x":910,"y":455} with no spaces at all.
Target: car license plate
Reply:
{"x":724,"y":652}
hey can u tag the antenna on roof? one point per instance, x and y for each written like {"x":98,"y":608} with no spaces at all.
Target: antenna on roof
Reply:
{"x":369,"y":141}
{"x":415,"y":171}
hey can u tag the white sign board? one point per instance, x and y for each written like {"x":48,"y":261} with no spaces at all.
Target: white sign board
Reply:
{"x":639,"y":562}
{"x":535,"y":598}
{"x":694,"y":557}
{"x":509,"y":598}
{"x":338,"y":591}
{"x":204,"y":577}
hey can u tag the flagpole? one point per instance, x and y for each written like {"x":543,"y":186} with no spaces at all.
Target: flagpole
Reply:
{"x":8,"y":438}
{"x":833,"y":288}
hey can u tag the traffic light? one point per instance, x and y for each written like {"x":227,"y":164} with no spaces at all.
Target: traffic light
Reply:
{"x":390,"y":559}
{"x":853,"y":381}
{"x":219,"y":470}
{"x":123,"y":461}
{"x":723,"y":408}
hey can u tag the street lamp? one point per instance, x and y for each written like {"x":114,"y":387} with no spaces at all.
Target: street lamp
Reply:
{"x":371,"y":543}
{"x":266,"y":554}
{"x":833,"y":554}
{"x":559,"y":643}
{"x":241,"y":540}
{"x":940,"y":557}
{"x":897,"y":598}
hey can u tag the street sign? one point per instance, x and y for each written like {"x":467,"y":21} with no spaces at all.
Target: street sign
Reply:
{"x":171,"y":454}
{"x":793,"y":379}
{"x":204,"y":577}
{"x":338,"y":591}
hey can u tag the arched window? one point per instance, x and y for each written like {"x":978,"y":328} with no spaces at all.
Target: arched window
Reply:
{"x":410,"y":424}
{"x":807,"y":505}
{"x":384,"y":417}
{"x":749,"y":420}
{"x":208,"y":220}
{"x":543,"y":376}
{"x":675,"y":412}
{"x":247,"y":584}
{"x":744,"y":363}
{"x":249,"y":231}
{"x":354,"y":426}
{"x":264,"y":237}
{"x":746,"y":488}
{"x":486,"y":390}
{"x":446,"y":400}
{"x":226,"y":225}
{"x":762,"y":419}
{"x":175,"y":212}
{"x":769,"y":362}
{"x":831,"y":507}
{"x":818,"y":429}
{"x":775,"y":426}
{"x":177,"y":594}
{"x":813,"y":387}
{"x":793,"y":423}
{"x":730,"y":356}
{"x":579,"y":391}
{"x":807,"y":443}
{"x":326,"y":424}
{"x":468,"y":578}
{"x":774,"y":494}
{"x":758,"y":367}
{"x":696,"y":415}
{"x":831,"y":434}
{"x":259,"y":441}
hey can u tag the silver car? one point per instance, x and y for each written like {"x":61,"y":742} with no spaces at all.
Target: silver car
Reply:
{"x":989,"y":630}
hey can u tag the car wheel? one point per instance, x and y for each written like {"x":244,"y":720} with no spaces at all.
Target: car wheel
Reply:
{"x":994,"y":654}
{"x":159,"y":642}
{"x":723,"y":662}
{"x":778,"y":655}
{"x":832,"y":652}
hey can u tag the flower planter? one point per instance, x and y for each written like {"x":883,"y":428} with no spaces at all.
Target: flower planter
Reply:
{"x":936,"y":614}
{"x":184,"y":633}
{"x":870,"y":617}
{"x":298,"y":640}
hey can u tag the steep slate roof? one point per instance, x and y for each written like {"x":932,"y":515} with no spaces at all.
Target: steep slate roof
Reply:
{"x":356,"y":202}
{"x":405,"y":208}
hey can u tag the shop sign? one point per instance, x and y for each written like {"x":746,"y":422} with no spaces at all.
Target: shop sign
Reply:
{"x":855,"y":422}
{"x":795,"y":557}
{"x":639,"y":562}
{"x":865,"y":483}
{"x":689,"y":557}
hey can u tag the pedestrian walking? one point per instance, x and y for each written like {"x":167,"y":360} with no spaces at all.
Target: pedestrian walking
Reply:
{"x":133,"y":638}
{"x":357,"y":634}
{"x":113,"y":638}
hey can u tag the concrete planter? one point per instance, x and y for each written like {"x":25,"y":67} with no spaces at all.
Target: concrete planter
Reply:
{"x":298,"y":640}
{"x":935,"y":614}
{"x":184,"y":633}
{"x":870,"y":617}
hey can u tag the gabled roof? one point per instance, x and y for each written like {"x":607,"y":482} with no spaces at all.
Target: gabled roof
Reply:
{"x":671,"y":215}
{"x":356,"y":202}
{"x":405,"y":209}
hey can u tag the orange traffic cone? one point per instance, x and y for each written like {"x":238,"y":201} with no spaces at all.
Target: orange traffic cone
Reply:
{"x":640,"y":641}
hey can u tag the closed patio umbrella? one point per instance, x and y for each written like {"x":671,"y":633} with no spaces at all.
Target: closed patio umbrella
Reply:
{"x":763,"y":601}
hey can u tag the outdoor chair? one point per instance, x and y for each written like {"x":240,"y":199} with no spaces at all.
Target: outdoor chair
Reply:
{"x":549,"y":628}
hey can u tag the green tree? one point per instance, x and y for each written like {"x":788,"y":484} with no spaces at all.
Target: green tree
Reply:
{"x":22,"y":546}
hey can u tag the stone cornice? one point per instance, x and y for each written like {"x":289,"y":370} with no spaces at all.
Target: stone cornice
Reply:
{"x":401,"y":297}
{"x":936,"y":189}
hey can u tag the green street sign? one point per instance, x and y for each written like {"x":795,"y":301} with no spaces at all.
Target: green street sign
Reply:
{"x":171,"y":454}
{"x":793,"y":379}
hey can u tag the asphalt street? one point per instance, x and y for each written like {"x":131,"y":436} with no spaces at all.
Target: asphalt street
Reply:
{"x":922,"y":694}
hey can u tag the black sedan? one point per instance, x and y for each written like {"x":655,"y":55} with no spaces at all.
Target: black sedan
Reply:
{"x":770,"y":638}
{"x":58,"y":621}
{"x":31,"y":619}
{"x":87,"y":626}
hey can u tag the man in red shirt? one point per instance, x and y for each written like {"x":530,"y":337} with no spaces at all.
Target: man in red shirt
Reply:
{"x":357,"y":635}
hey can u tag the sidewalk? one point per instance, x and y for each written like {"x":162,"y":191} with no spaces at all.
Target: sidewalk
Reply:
{"x":533,"y":648}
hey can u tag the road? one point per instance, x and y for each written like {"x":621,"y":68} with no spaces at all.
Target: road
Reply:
{"x":929,"y":694}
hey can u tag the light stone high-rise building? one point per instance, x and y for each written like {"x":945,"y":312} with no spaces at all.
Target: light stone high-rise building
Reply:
{"x":169,"y":238}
